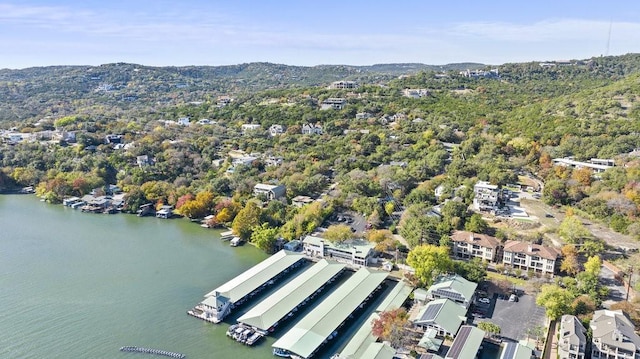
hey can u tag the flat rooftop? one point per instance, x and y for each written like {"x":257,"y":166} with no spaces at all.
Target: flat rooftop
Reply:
{"x":254,"y":277}
{"x":312,"y":330}
{"x":275,"y":307}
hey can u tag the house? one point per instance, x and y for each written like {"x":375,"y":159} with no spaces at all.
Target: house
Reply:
{"x":467,"y":343}
{"x":184,"y":121}
{"x":113,"y":139}
{"x":597,"y":165}
{"x":363,"y":115}
{"x":311,"y":129}
{"x":13,"y":138}
{"x":613,"y":336}
{"x":355,"y":252}
{"x":333,"y":103}
{"x":487,"y":197}
{"x":206,"y":121}
{"x":143,"y":161}
{"x":224,"y":101}
{"x":415,"y":93}
{"x":343,"y":85}
{"x":301,"y":201}
{"x":273,"y":161}
{"x":276,"y":130}
{"x":453,"y":287}
{"x":442,"y":315}
{"x":474,"y":245}
{"x":249,"y":128}
{"x":527,"y":256}
{"x":573,"y":338}
{"x":241,"y":161}
{"x":165,"y":212}
{"x":272,"y":192}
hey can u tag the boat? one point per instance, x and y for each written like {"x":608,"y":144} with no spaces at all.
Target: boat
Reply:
{"x":236,"y":241}
{"x":282,"y":353}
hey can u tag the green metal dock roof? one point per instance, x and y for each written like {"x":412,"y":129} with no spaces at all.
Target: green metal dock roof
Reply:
{"x":254,"y":277}
{"x":363,"y":338}
{"x":272,"y":309}
{"x":396,"y":298}
{"x":312,"y":330}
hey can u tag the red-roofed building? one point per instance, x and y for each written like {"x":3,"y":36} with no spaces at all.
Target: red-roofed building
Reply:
{"x":525,"y":256}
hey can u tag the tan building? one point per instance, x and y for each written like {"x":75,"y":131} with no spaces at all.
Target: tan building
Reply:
{"x":473,"y":245}
{"x":525,"y":256}
{"x":614,"y":336}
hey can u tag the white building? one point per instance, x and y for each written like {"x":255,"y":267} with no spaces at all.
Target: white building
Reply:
{"x":272,"y":192}
{"x":614,"y":336}
{"x":311,"y":129}
{"x":355,"y":252}
{"x":343,"y":85}
{"x":573,"y":338}
{"x":276,"y":130}
{"x":333,"y":103}
{"x":487,"y":197}
{"x":249,"y":127}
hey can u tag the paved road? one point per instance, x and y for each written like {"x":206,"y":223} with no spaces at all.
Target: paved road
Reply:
{"x":617,"y":291}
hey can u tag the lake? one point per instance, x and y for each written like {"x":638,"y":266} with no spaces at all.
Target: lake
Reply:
{"x":80,"y":285}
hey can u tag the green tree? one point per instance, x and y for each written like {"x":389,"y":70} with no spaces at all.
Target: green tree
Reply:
{"x":491,"y":328}
{"x":264,"y":237}
{"x":476,"y":224}
{"x":473,"y":270}
{"x":593,"y":265}
{"x":556,"y":300}
{"x":571,"y":230}
{"x":428,"y":261}
{"x":246,"y":220}
{"x":338,"y":233}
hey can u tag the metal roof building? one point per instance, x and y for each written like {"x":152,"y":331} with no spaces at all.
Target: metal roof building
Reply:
{"x":364,"y":338}
{"x":256,"y":276}
{"x":317,"y":326}
{"x":220,"y":301}
{"x":272,"y":309}
{"x":466,"y":344}
{"x":443,"y":315}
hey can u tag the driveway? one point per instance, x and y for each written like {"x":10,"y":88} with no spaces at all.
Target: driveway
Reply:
{"x":514,"y":318}
{"x":617,"y":291}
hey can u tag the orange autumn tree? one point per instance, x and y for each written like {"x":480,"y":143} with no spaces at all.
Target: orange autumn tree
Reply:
{"x":390,"y":326}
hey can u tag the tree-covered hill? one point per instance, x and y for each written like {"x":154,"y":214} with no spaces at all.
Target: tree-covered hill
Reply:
{"x":63,"y":90}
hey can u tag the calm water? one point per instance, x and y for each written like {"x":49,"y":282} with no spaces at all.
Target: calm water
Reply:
{"x":76,"y":285}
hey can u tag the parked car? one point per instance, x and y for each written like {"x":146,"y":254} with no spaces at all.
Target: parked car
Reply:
{"x":484,"y":300}
{"x":513,"y":298}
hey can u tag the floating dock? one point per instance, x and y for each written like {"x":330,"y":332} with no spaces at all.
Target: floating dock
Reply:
{"x":133,"y":349}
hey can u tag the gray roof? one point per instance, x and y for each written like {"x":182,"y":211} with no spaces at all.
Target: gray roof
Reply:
{"x":466,"y":344}
{"x":254,"y":277}
{"x":571,"y":332}
{"x":379,"y":351}
{"x":275,"y":307}
{"x":312,"y":330}
{"x":453,"y":287}
{"x":442,"y":313}
{"x":614,"y":329}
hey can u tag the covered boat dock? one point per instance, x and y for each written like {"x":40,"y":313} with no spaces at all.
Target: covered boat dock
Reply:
{"x":285,"y":301}
{"x":220,"y":301}
{"x":322,"y":323}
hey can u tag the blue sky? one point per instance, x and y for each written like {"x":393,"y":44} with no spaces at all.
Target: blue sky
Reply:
{"x":301,"y":32}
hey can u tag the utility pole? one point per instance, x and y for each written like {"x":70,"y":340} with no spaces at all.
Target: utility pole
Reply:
{"x":629,"y":283}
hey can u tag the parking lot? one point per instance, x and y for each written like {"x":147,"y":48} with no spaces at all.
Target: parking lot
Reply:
{"x":514,"y":318}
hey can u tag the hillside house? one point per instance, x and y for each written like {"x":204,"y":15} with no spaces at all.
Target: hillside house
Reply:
{"x":248,"y":128}
{"x":311,"y":129}
{"x":333,"y":103}
{"x":271,"y":192}
{"x":487,"y":197}
{"x":342,"y":85}
{"x":276,"y":130}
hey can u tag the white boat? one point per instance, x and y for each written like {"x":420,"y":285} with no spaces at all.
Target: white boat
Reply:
{"x":235,"y":241}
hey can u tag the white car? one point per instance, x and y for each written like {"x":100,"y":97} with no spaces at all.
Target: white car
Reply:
{"x":484,"y":300}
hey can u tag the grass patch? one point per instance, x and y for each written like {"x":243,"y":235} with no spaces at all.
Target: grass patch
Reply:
{"x":513,"y":280}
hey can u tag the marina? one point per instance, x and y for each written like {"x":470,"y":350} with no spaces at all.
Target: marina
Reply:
{"x":244,"y":334}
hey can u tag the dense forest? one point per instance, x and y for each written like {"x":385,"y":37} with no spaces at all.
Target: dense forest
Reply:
{"x":381,"y":155}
